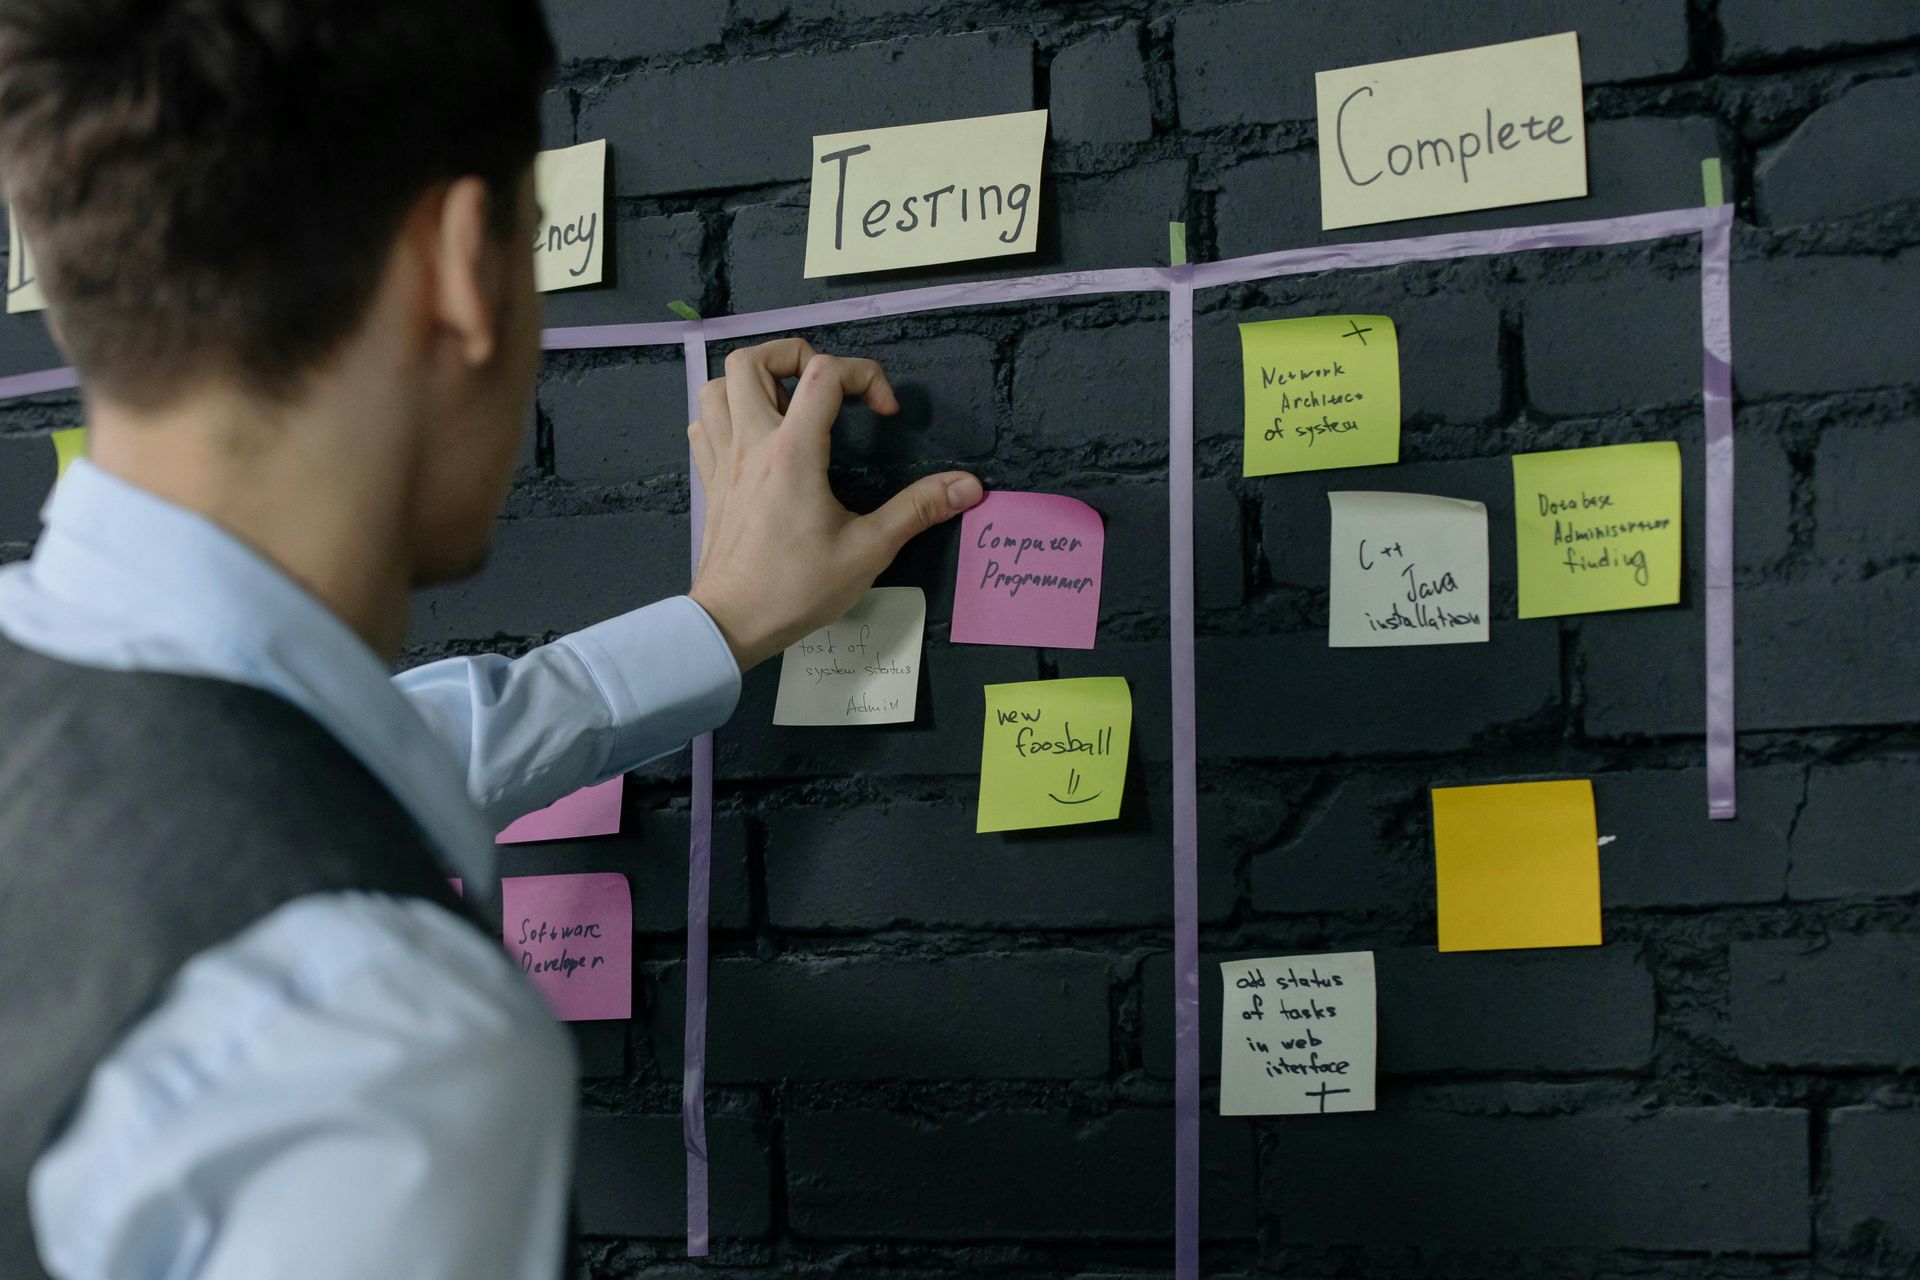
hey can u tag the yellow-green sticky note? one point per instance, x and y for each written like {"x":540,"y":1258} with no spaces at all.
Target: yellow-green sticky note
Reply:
{"x":1517,"y":865}
{"x":1321,"y":391}
{"x":1597,"y":529}
{"x":1054,"y":752}
{"x":68,"y":445}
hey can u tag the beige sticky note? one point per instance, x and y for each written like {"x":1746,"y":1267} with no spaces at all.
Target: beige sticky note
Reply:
{"x":1054,"y":752}
{"x":23,"y":282}
{"x":1497,"y":125}
{"x":862,"y":669}
{"x":1297,"y":1035}
{"x":917,"y":194}
{"x":1406,"y":568}
{"x":569,"y":242}
{"x":1597,"y":529}
{"x":1320,"y":392}
{"x":1517,"y":865}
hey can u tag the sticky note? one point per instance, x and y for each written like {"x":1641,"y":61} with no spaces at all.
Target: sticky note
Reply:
{"x":1497,"y":125}
{"x":1517,"y":865}
{"x":573,"y":935}
{"x":67,"y":446}
{"x":1597,"y":529}
{"x":23,"y":280}
{"x":1054,"y":752}
{"x":1029,"y":574}
{"x":1321,"y":391}
{"x":863,"y":669}
{"x":917,"y":194}
{"x":1406,"y":568}
{"x":1297,"y":1035}
{"x":590,"y":811}
{"x":568,"y":247}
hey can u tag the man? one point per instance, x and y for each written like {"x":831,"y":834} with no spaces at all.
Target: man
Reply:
{"x":249,"y":1032}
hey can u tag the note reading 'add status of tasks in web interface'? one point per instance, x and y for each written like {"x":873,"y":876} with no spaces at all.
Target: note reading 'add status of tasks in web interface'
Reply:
{"x":1321,"y":392}
{"x":1054,"y":752}
{"x":1297,"y":1035}
{"x":862,"y":669}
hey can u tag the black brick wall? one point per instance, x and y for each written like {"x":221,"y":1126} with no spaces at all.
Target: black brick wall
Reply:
{"x":937,"y":1052}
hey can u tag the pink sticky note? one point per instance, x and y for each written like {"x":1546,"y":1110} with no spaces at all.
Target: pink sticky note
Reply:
{"x":590,"y":811}
{"x":1029,"y":572}
{"x":573,"y":935}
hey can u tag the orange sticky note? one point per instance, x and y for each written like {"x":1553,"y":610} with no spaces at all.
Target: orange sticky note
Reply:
{"x":1517,"y":865}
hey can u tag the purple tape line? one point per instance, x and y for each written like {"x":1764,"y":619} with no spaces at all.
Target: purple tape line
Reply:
{"x":1716,"y":393}
{"x":1186,"y":833}
{"x":693,"y":1079}
{"x":666,"y":333}
{"x":33,"y":384}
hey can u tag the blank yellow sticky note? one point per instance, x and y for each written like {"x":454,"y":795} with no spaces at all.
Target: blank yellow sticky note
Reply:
{"x":23,"y":279}
{"x":1321,"y":391}
{"x":1597,"y":529}
{"x":68,"y":445}
{"x":569,"y":244}
{"x":1054,"y":752}
{"x":1517,"y":865}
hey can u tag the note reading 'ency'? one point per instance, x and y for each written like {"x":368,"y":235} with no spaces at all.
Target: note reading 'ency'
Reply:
{"x":1597,"y":529}
{"x":573,"y":935}
{"x":863,"y":669}
{"x":1054,"y":752}
{"x":1030,"y":566}
{"x":1406,"y":568}
{"x":1321,"y":391}
{"x":1297,"y":1035}
{"x":568,"y":247}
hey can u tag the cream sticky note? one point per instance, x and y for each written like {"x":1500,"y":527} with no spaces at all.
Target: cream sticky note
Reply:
{"x":23,"y":281}
{"x":1320,"y":391}
{"x":1297,"y":1035}
{"x":1597,"y":529}
{"x":569,"y":244}
{"x":1029,"y":574}
{"x":573,"y":935}
{"x":863,"y":669}
{"x":68,"y":445}
{"x":1517,"y":865}
{"x":590,"y":811}
{"x":1497,"y":125}
{"x":917,"y":194}
{"x":1406,"y":568}
{"x":1054,"y":752}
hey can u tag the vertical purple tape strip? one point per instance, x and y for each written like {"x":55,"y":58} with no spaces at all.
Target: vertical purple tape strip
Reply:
{"x":693,"y":1081}
{"x":1186,"y":827}
{"x":1716,"y":391}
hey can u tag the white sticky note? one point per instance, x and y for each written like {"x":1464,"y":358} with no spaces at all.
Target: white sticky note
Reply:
{"x":1476,"y":129}
{"x":569,"y":241}
{"x":917,"y":194}
{"x":1297,"y":1035}
{"x":863,"y":669}
{"x":1406,"y":568}
{"x":23,"y":280}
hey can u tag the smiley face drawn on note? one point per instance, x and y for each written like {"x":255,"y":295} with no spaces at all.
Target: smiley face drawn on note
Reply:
{"x":1054,"y":752}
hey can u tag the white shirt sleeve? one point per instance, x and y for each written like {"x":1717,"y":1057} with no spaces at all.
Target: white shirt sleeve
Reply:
{"x":356,"y":1086}
{"x":583,"y":709}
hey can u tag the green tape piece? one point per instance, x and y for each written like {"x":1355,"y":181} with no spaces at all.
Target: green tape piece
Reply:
{"x":682,"y":310}
{"x":1177,"y":243}
{"x":1710,"y":181}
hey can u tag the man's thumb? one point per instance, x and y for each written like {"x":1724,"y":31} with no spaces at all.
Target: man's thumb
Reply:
{"x":923,"y":504}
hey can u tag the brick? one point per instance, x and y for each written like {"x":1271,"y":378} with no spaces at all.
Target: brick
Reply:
{"x":1254,"y":63}
{"x":27,"y":466}
{"x":1008,"y":1175}
{"x":1539,"y":1182}
{"x":1340,"y":857}
{"x":26,"y":346}
{"x":651,"y":851}
{"x":630,"y":1177}
{"x":746,"y":123}
{"x":1100,"y":92}
{"x":650,"y":262}
{"x":1572,"y":1010}
{"x":1625,"y":341}
{"x":1861,"y":341}
{"x":1076,"y":388}
{"x":600,"y":1047}
{"x":618,"y":422}
{"x":556,"y":119}
{"x":1319,"y":701}
{"x":1021,"y":1016}
{"x":1822,"y":171}
{"x":1633,"y":166}
{"x":1666,"y":854}
{"x":550,"y":575}
{"x":1862,"y":479}
{"x":1873,"y":1176}
{"x":893,"y":866}
{"x":1219,"y":546}
{"x":589,"y":30}
{"x":1855,"y":839}
{"x":1754,"y":30}
{"x":949,"y":406}
{"x":1844,"y":1001}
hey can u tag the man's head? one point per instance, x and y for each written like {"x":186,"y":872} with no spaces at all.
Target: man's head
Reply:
{"x":251,"y":198}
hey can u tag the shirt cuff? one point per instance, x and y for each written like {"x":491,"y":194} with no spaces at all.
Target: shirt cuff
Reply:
{"x":667,"y":676}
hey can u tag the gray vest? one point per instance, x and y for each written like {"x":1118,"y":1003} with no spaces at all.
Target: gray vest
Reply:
{"x":143,"y":819}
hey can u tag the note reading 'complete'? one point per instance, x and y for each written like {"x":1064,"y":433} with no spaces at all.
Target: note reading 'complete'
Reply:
{"x":1321,"y":391}
{"x":1597,"y":529}
{"x":568,"y":248}
{"x":1054,"y":752}
{"x":1517,"y":865}
{"x":917,"y":194}
{"x":863,"y":669}
{"x":1297,"y":1035}
{"x":1029,"y":573}
{"x":1406,"y":568}
{"x":573,"y":935}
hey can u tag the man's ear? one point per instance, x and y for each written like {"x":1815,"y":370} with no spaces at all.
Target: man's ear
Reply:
{"x":468,"y":272}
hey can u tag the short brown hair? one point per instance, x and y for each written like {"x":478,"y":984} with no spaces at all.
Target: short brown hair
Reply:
{"x":213,"y":186}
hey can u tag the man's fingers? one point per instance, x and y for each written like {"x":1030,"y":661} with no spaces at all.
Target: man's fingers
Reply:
{"x":824,"y":385}
{"x":716,"y":418}
{"x":701,"y":442}
{"x":754,"y":376}
{"x":920,"y":506}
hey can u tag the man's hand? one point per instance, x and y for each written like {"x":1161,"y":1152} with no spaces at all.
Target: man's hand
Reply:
{"x":780,"y":556}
